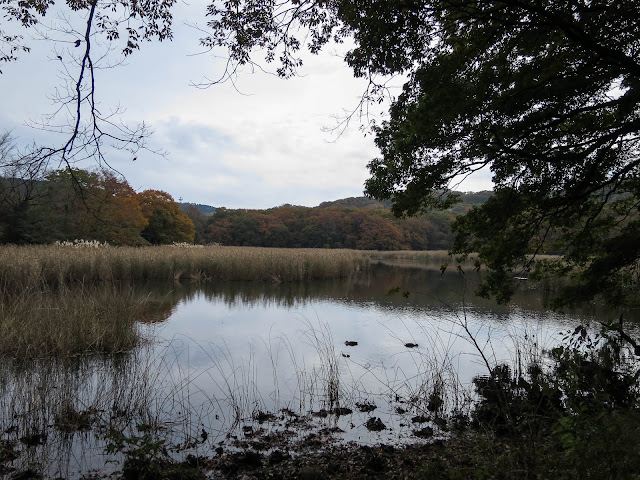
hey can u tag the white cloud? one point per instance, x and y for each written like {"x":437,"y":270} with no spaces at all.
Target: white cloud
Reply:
{"x":257,"y":142}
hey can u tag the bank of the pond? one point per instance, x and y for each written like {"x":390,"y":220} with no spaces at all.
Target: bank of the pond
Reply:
{"x":466,"y":455}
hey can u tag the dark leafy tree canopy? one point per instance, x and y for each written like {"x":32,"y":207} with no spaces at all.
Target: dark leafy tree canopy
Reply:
{"x":545,"y":94}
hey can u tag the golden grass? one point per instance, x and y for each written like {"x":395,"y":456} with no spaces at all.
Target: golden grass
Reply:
{"x":68,"y":322}
{"x":23,"y":267}
{"x":431,"y":257}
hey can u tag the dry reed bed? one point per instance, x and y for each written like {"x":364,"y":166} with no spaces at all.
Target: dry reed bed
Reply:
{"x":435,"y":258}
{"x":24,"y":267}
{"x":69,"y":322}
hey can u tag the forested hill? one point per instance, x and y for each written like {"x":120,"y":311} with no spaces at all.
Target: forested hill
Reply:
{"x":108,"y":209}
{"x":357,"y":202}
{"x":205,"y":209}
{"x":355,"y":222}
{"x":467,"y":200}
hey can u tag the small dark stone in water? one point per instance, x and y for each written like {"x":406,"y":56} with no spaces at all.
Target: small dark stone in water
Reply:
{"x":411,"y":345}
{"x":346,"y":355}
{"x":374,"y":424}
{"x":219,"y":450}
{"x":34,"y":440}
{"x":387,"y":448}
{"x":441,"y":422}
{"x":248,"y":459}
{"x":277,"y":456}
{"x":426,"y":432}
{"x":350,"y":343}
{"x":420,"y":419}
{"x":262,"y":417}
{"x":366,"y":407}
{"x":330,"y":431}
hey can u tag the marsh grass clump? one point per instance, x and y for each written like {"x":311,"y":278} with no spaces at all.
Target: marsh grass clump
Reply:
{"x":68,"y":322}
{"x":429,"y":259}
{"x":25,"y":267}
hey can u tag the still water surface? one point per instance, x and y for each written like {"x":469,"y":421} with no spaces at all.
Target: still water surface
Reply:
{"x":221,"y":354}
{"x":278,"y":346}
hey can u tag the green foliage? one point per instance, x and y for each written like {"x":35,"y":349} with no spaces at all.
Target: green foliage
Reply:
{"x":166,"y":221}
{"x":578,"y":418}
{"x":204,"y":209}
{"x":357,"y":202}
{"x":548,"y":104}
{"x":147,"y":457}
{"x":199,"y":220}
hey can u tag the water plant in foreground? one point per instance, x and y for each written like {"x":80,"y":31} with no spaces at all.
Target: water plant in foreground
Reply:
{"x":575,"y":417}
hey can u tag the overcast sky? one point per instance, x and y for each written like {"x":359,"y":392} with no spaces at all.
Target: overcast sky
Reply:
{"x":257,"y":144}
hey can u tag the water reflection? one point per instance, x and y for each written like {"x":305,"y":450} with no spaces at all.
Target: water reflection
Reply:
{"x":427,"y":287}
{"x":220,"y":355}
{"x":255,"y":347}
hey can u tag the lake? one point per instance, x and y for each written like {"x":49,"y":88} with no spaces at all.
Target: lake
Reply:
{"x":248,"y":365}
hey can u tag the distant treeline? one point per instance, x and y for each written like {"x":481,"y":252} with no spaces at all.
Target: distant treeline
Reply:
{"x":356,"y":222}
{"x":79,"y":204}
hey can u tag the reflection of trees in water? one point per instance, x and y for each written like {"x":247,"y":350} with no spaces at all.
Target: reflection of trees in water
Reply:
{"x":427,"y":288}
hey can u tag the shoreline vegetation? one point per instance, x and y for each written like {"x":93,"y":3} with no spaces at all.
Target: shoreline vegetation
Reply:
{"x":23,"y":267}
{"x":69,"y":322}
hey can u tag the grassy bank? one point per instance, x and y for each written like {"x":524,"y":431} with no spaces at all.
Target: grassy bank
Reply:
{"x":429,"y":259}
{"x":23,"y":267}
